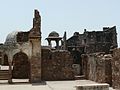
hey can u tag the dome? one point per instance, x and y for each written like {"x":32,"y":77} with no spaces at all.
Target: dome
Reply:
{"x":53,"y":34}
{"x":11,"y":38}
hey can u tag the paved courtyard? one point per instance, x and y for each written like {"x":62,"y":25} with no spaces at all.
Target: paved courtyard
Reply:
{"x":48,"y":85}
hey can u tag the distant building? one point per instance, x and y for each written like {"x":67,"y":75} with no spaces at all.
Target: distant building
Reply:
{"x":92,"y":42}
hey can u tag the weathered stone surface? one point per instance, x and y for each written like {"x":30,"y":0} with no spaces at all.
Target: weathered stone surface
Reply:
{"x":94,"y":41}
{"x":57,"y":65}
{"x":60,"y":64}
{"x":97,"y":67}
{"x":116,"y":69}
{"x":0,"y":58}
{"x":93,"y":87}
{"x":22,"y":37}
{"x":21,"y":66}
{"x":35,"y":41}
{"x":36,"y":30}
{"x":35,"y":70}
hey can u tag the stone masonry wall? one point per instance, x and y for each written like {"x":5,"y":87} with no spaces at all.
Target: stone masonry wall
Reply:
{"x":57,"y":65}
{"x":116,"y":69}
{"x":97,"y":67}
{"x":0,"y":58}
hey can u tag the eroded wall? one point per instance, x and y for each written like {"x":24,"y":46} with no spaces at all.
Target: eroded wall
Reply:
{"x":57,"y":65}
{"x":116,"y":69}
{"x":97,"y":67}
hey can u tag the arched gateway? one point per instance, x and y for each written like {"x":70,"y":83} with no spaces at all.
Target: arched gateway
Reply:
{"x":21,"y":66}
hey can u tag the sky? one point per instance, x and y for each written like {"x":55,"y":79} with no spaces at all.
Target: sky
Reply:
{"x":59,"y":15}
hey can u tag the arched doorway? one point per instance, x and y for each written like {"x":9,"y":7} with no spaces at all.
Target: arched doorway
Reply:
{"x":21,"y":66}
{"x":5,"y":62}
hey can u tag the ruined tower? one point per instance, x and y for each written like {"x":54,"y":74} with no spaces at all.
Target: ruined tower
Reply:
{"x":35,"y":41}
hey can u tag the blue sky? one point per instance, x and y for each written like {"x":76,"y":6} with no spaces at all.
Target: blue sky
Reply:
{"x":59,"y":15}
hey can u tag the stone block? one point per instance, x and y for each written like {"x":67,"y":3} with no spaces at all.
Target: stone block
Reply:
{"x":92,"y":87}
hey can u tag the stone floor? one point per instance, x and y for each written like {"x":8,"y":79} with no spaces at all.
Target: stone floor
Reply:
{"x":48,"y":85}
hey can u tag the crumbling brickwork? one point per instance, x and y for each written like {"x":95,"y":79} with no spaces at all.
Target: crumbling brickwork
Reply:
{"x":97,"y":67}
{"x":57,"y":65}
{"x":116,"y":69}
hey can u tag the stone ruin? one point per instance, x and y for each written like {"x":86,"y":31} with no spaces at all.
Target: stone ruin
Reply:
{"x":92,"y":55}
{"x":27,"y":59}
{"x":22,"y":53}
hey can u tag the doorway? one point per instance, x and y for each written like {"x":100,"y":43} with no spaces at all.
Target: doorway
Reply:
{"x":21,"y":66}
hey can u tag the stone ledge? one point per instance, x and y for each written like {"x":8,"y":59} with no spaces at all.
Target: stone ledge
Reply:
{"x":93,"y":87}
{"x":82,"y":77}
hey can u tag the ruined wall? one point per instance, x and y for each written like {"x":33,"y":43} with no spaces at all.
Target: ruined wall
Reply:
{"x":56,"y":65}
{"x":94,"y":41}
{"x":97,"y":67}
{"x":116,"y":69}
{"x":22,"y":37}
{"x":0,"y":58}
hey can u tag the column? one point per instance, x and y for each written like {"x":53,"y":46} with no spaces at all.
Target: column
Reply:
{"x":57,"y":44}
{"x":10,"y":72}
{"x":49,"y":43}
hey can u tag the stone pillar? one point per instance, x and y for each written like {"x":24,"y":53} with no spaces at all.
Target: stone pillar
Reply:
{"x":10,"y":72}
{"x":35,"y":62}
{"x":35,"y":41}
{"x":65,"y":41}
{"x":49,"y":43}
{"x":85,"y":65}
{"x":57,"y":43}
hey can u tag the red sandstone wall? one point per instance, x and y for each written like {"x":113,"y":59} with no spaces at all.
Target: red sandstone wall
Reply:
{"x":116,"y":69}
{"x":56,"y":65}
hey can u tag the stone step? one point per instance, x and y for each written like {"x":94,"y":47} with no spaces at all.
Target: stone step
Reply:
{"x":93,"y":87}
{"x":4,"y":78}
{"x":4,"y":74}
{"x":4,"y":71}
